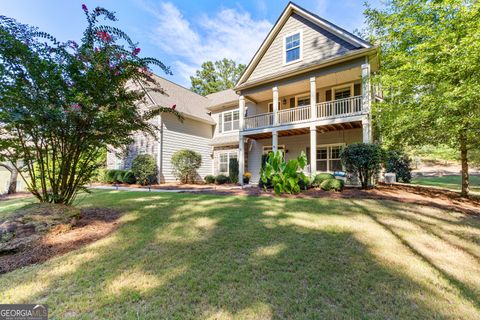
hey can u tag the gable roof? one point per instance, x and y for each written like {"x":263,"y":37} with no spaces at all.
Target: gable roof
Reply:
{"x":290,"y":9}
{"x":191,"y":104}
{"x":222,"y":98}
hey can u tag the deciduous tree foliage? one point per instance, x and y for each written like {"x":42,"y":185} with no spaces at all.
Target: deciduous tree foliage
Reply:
{"x":216,"y":76}
{"x":430,"y":56}
{"x":62,"y":103}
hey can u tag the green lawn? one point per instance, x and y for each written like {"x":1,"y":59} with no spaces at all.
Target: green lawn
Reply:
{"x":449,"y":182}
{"x":186,"y":256}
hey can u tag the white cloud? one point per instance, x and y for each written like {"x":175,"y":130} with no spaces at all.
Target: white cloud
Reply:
{"x":321,"y":7}
{"x":229,"y":33}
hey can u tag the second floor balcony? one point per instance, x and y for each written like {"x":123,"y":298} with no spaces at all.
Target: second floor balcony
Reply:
{"x":346,"y":107}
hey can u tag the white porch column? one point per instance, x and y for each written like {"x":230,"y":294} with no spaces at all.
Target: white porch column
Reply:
{"x":313,"y":98}
{"x":366,"y":103}
{"x":275,"y":105}
{"x":241,"y":106}
{"x":241,"y":159}
{"x":274,"y":141}
{"x":367,"y":132}
{"x":313,"y":151}
{"x":366,"y":88}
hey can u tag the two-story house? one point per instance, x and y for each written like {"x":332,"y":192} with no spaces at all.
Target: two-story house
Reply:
{"x":306,"y":89}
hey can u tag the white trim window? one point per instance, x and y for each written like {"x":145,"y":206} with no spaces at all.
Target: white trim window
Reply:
{"x":224,"y":161}
{"x":292,"y":47}
{"x":229,"y":121}
{"x":328,"y":157}
{"x":268,"y":149}
{"x":302,"y":101}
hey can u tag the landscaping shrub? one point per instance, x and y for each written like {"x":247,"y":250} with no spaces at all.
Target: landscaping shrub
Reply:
{"x":332,"y":184}
{"x":119,"y":174}
{"x":111,"y":175}
{"x":209,"y":179}
{"x":283,"y":176}
{"x":100,"y":175}
{"x":129,"y":177}
{"x":399,"y":163}
{"x":144,"y":169}
{"x":185,"y":165}
{"x":319,"y":178}
{"x":363,"y":160}
{"x":304,"y":182}
{"x":233,"y":170}
{"x":221,"y":179}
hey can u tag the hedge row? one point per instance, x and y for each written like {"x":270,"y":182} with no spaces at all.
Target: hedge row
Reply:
{"x":119,"y":176}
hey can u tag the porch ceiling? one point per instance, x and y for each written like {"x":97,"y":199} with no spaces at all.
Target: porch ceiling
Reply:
{"x":299,"y":131}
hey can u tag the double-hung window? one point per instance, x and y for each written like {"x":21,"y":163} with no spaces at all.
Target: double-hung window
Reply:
{"x":328,"y":158}
{"x":224,"y":161}
{"x":293,"y":47}
{"x":303,"y":101}
{"x":229,"y":121}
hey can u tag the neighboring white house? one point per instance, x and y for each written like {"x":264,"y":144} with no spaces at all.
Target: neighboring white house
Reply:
{"x":306,"y":89}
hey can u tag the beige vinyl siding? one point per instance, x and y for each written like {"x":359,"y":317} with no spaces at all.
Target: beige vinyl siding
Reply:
{"x":295,"y":144}
{"x":317,"y":44}
{"x":190,"y":134}
{"x":216,"y":157}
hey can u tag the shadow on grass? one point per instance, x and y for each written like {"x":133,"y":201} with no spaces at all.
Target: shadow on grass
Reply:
{"x":428,"y":235}
{"x":199,"y":257}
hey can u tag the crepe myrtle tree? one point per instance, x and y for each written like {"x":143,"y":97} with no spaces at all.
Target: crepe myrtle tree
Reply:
{"x":62,"y":103}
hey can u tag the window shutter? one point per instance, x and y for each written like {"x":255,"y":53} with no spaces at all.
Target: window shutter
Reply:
{"x":357,"y":89}
{"x":317,"y":97}
{"x":308,"y":155}
{"x":292,"y":102}
{"x":220,"y":122}
{"x":328,"y":95}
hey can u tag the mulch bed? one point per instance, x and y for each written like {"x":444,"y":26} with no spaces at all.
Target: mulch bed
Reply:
{"x":93,"y":224}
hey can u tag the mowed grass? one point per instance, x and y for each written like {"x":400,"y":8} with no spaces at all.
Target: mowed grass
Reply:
{"x":449,"y":182}
{"x":186,"y":256}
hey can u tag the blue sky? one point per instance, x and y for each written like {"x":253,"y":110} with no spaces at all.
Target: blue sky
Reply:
{"x":182,"y":34}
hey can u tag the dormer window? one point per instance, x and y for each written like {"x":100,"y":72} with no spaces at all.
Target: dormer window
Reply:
{"x":293,"y":47}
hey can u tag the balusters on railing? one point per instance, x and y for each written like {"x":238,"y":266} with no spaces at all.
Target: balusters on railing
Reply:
{"x":324,"y":110}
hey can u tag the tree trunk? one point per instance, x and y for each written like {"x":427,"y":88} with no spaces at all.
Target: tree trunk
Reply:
{"x":464,"y":161}
{"x":12,"y":187}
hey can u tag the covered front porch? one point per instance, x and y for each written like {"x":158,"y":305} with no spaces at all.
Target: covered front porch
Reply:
{"x":321,"y":144}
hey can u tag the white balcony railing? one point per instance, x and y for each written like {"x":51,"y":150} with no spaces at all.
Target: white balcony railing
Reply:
{"x":259,"y":121}
{"x":324,"y":110}
{"x":293,"y":115}
{"x":339,"y":108}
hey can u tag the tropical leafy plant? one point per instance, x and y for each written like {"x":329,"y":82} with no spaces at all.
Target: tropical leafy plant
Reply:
{"x":284,"y":176}
{"x":63,"y":103}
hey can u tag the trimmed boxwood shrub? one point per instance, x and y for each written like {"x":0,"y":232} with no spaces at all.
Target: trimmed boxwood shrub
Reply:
{"x":332,"y":184}
{"x":129,"y":177}
{"x":319,"y":178}
{"x":144,"y":169}
{"x":119,"y":176}
{"x":363,"y":160}
{"x":185,"y":165}
{"x":209,"y":179}
{"x":110,"y":175}
{"x":221,"y":179}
